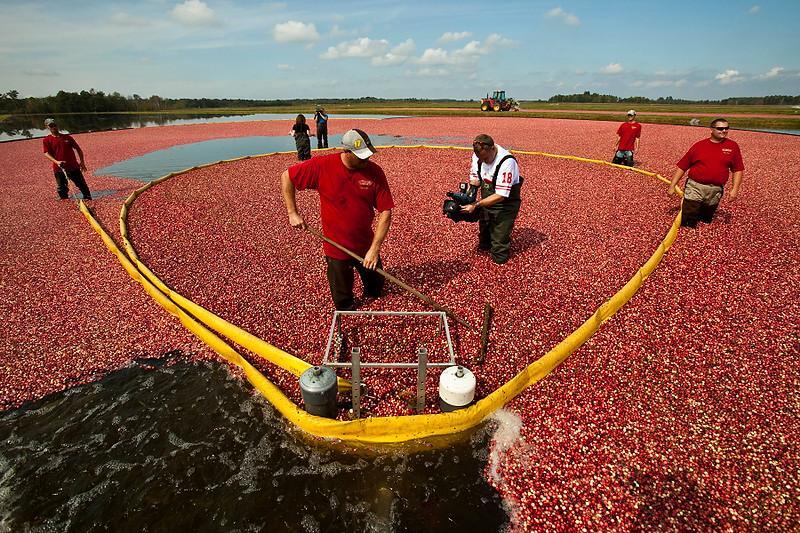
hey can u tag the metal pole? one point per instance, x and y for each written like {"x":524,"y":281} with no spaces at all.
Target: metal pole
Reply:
{"x":355,"y":355}
{"x":428,"y":300}
{"x":422,"y":370}
{"x":487,"y":318}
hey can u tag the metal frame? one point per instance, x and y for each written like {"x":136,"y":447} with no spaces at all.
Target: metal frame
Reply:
{"x":443,"y":324}
{"x":355,"y":363}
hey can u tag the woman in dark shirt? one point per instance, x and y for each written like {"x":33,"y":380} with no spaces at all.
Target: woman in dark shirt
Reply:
{"x":300,"y":131}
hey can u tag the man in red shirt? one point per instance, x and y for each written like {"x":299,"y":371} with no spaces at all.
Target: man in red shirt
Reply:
{"x":710,"y":163}
{"x":351,"y":189}
{"x":628,"y":135}
{"x":60,"y":148}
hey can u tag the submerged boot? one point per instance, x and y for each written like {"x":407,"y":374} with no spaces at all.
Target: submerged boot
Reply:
{"x":691,"y":212}
{"x":707,"y":212}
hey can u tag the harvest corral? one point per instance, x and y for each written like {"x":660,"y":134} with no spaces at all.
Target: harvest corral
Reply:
{"x":272,"y":274}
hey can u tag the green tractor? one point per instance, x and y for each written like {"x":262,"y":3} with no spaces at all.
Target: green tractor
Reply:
{"x":498,"y":102}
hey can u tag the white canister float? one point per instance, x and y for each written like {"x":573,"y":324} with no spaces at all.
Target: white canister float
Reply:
{"x":456,"y":388}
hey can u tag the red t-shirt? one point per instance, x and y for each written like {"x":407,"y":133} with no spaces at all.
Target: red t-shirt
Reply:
{"x":628,"y":132}
{"x":61,"y":147}
{"x":711,"y":163}
{"x":348,"y":200}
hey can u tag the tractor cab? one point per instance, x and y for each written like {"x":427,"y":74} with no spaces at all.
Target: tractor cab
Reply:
{"x":499,"y":95}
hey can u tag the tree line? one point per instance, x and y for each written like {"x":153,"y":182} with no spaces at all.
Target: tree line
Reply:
{"x":93,"y":101}
{"x":594,"y":98}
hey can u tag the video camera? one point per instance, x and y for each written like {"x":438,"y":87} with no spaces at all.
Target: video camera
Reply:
{"x":466,"y":195}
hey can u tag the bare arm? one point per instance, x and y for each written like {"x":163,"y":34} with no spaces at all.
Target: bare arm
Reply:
{"x":288,"y":192}
{"x":486,"y":202}
{"x":616,"y":144}
{"x":675,"y":179}
{"x":737,"y":183}
{"x":636,"y":145}
{"x":53,"y":159}
{"x":382,"y":229}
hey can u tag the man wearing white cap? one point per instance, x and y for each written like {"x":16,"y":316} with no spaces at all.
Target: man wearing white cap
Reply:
{"x":351,"y":190}
{"x":628,"y":135}
{"x":60,"y":148}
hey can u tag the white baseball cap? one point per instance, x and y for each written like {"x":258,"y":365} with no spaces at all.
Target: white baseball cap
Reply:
{"x":358,"y":142}
{"x":631,"y":112}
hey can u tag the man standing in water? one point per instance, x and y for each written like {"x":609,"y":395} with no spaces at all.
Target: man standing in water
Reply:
{"x":496,"y":172}
{"x":351,"y":189}
{"x":60,"y":148}
{"x":628,"y":135}
{"x":710,"y":163}
{"x":321,"y":118}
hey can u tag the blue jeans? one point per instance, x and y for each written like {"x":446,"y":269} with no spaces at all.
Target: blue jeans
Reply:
{"x":624,"y":157}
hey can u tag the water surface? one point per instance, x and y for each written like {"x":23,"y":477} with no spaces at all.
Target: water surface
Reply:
{"x":161,"y":162}
{"x":189,"y":448}
{"x":27,"y":127}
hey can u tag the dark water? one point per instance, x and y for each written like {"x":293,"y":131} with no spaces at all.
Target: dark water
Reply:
{"x":26,"y":127}
{"x":161,"y":162}
{"x":189,"y":448}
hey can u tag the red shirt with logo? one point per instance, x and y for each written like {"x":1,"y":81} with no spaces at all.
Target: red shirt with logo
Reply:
{"x":711,"y":163}
{"x":348,"y":200}
{"x":61,"y":147}
{"x":628,"y":132}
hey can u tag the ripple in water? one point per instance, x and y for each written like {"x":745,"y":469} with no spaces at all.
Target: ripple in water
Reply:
{"x":189,"y":448}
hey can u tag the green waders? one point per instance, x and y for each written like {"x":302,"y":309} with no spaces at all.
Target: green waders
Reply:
{"x":497,"y":221}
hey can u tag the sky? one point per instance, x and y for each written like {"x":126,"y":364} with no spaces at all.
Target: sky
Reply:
{"x":394,"y":49}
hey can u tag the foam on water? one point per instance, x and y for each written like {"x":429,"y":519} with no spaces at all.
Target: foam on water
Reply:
{"x":190,"y":448}
{"x":505,"y":436}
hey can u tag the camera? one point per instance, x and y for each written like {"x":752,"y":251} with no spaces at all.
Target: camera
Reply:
{"x":452,"y":207}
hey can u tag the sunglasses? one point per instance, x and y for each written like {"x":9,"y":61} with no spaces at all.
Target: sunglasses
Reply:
{"x":725,"y":128}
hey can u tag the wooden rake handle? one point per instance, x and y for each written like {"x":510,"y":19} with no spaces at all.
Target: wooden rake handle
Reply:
{"x":427,"y":299}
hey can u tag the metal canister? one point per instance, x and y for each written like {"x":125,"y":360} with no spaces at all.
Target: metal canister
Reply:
{"x":318,"y":386}
{"x":456,"y":388}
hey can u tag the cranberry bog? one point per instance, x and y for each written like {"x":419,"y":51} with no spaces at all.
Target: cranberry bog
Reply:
{"x":680,"y":412}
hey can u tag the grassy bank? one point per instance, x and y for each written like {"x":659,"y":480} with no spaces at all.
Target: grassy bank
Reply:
{"x":784,"y":117}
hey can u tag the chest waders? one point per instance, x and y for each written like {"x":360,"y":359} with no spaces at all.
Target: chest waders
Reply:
{"x":497,"y":221}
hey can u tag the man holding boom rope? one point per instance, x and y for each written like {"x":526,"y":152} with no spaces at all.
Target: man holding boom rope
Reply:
{"x":351,"y":189}
{"x":710,"y":163}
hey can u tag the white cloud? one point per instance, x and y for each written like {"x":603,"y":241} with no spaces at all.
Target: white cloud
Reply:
{"x":728,"y":77}
{"x":194,"y":13}
{"x":755,"y":9}
{"x":434,"y":56}
{"x":467,"y":55}
{"x":284,"y":66}
{"x":774,"y":72}
{"x":295,"y":32}
{"x":363,"y":47}
{"x":612,"y":68}
{"x":451,"y":36}
{"x":652,"y":84}
{"x":496,"y":40}
{"x":567,"y":18}
{"x":397,"y":55}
